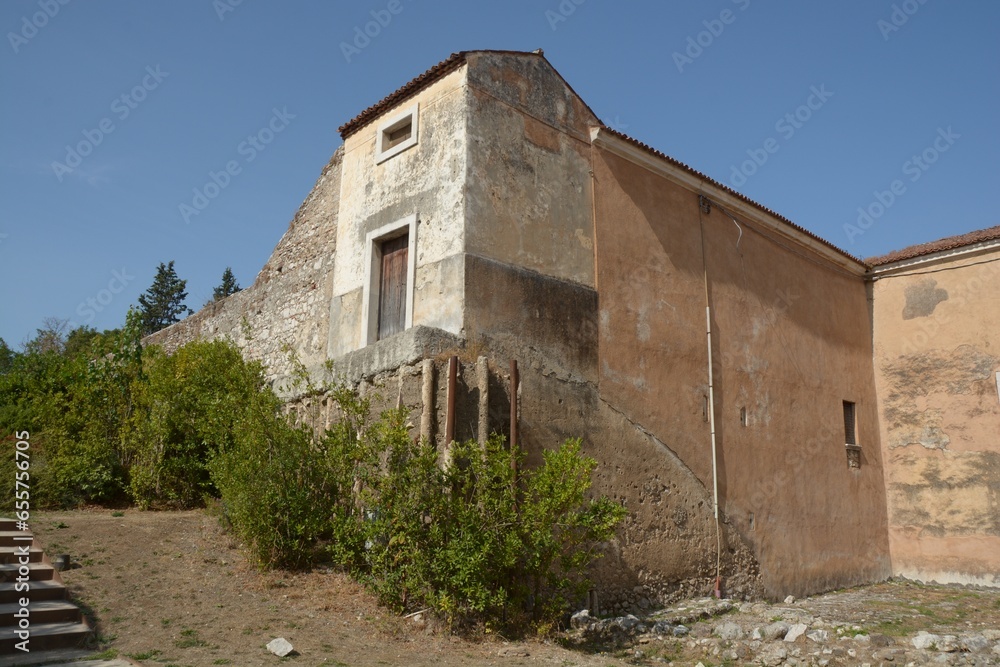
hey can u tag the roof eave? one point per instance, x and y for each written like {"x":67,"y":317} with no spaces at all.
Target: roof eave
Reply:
{"x":949,"y":254}
{"x":614,"y":142}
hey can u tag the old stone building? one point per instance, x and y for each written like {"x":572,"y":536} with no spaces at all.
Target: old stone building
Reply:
{"x":850,"y":427}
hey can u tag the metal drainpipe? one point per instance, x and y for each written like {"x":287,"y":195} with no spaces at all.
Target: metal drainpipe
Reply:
{"x":704,"y":202}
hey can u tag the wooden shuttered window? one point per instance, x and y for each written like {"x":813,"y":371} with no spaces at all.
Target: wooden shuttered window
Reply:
{"x":392,"y":286}
{"x":850,"y":433}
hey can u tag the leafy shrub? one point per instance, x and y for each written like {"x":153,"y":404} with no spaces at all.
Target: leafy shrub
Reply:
{"x":190,"y":402}
{"x":464,"y":536}
{"x":275,"y":486}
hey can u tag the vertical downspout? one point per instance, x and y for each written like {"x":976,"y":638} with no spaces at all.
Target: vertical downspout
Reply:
{"x":703,"y":203}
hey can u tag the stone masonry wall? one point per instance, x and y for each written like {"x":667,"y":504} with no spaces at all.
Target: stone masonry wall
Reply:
{"x":288,"y":303}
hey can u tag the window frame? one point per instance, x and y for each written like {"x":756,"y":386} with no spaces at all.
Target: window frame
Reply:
{"x":373,"y":274}
{"x":852,"y":408}
{"x":392,"y":123}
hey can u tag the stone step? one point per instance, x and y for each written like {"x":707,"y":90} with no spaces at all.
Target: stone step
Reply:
{"x":60,"y":657}
{"x":13,"y":554}
{"x":44,"y":611}
{"x":37,"y":591}
{"x":10,"y":538}
{"x":44,"y":636}
{"x":36,"y":571}
{"x":8,"y":524}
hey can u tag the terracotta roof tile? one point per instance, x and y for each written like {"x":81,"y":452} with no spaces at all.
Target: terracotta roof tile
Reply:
{"x":728,"y":189}
{"x":449,"y":64}
{"x":949,"y":243}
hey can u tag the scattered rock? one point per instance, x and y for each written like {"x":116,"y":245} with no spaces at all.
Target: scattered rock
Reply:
{"x":773,"y":655}
{"x":925,"y":641}
{"x":628,"y":623}
{"x":790,"y":599}
{"x":281,"y":647}
{"x":662,"y":628}
{"x":948,"y":644}
{"x":795,"y":631}
{"x":974,"y":643}
{"x":776,"y":630}
{"x":581,"y":619}
{"x":728,"y":631}
{"x":818,"y":636}
{"x":681,"y":631}
{"x":513,"y":652}
{"x":879,"y":641}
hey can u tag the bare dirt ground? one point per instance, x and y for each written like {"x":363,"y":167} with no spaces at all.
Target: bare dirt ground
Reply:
{"x":171,"y":588}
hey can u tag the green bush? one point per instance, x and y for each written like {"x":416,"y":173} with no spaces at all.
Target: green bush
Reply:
{"x":460,"y":533}
{"x":461,"y":536}
{"x":191,"y":401}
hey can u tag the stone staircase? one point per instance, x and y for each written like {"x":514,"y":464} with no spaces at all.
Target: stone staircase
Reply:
{"x":55,"y":622}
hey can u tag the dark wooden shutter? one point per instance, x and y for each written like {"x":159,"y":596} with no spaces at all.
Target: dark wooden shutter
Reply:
{"x":392,"y":288}
{"x":850,"y":436}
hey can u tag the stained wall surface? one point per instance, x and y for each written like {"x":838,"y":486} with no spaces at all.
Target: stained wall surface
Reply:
{"x":937,"y":359}
{"x":426,"y":180}
{"x":790,"y":342}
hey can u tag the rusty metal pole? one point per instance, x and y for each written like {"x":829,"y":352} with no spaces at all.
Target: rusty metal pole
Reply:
{"x":449,"y":431}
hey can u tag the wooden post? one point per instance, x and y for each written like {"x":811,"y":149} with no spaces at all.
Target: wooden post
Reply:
{"x":427,"y":414}
{"x":483,"y":380}
{"x":449,"y":431}
{"x":514,"y":382}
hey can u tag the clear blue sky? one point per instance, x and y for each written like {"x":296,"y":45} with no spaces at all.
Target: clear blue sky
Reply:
{"x":199,"y":79}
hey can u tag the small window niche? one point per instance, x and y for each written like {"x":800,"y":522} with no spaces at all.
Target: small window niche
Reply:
{"x":396,"y":133}
{"x":744,"y":417}
{"x":388,"y":295}
{"x":851,"y":436}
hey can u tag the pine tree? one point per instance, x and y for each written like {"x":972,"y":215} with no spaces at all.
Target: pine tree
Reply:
{"x":163,"y":302}
{"x":228,"y":286}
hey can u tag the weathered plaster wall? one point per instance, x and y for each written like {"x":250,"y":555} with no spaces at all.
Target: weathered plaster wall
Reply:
{"x":426,"y":180}
{"x":791,"y":342}
{"x":937,"y":355}
{"x":528,"y":188}
{"x":288,"y":303}
{"x":667,"y":545}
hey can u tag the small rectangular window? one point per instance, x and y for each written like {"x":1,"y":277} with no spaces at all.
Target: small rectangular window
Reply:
{"x":396,"y":133}
{"x":850,"y":429}
{"x":397,"y":136}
